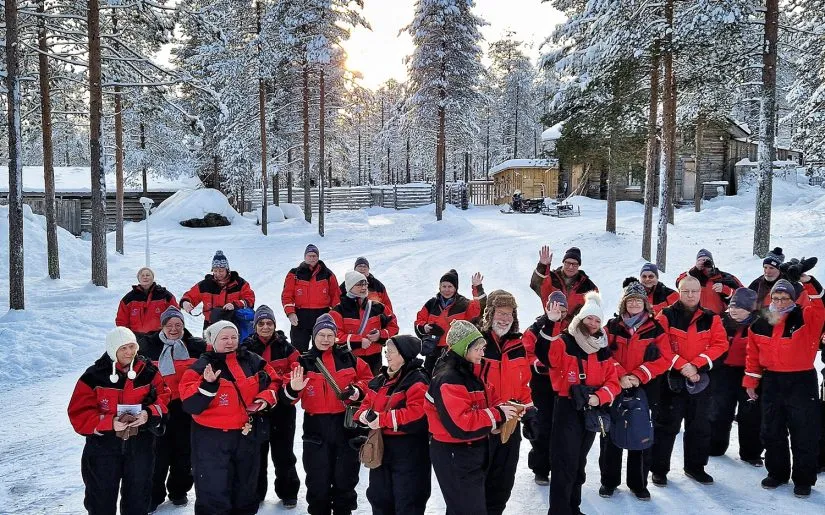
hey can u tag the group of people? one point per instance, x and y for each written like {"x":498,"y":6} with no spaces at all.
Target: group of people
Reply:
{"x":163,"y":410}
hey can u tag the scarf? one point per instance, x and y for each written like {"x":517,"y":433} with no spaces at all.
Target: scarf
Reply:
{"x":444,"y":303}
{"x":173,"y":350}
{"x":588,"y":343}
{"x":633,"y":322}
{"x":782,"y":311}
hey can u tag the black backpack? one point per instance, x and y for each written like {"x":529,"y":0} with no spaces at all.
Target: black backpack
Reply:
{"x":632,"y":427}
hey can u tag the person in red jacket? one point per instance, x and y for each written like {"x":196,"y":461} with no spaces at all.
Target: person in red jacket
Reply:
{"x":330,"y":463}
{"x":639,"y":347}
{"x":221,"y":292}
{"x":579,"y":356}
{"x":363,"y":325}
{"x":377,"y":290}
{"x":770,"y":274}
{"x":504,"y":368}
{"x":780,"y":357}
{"x":118,"y":453}
{"x":541,"y":389}
{"x":395,"y":405}
{"x":717,"y":286}
{"x":272,"y":345}
{"x":223,"y":391}
{"x":461,"y":413}
{"x":727,"y":392}
{"x":140,"y":309}
{"x":310,"y":290}
{"x":172,"y":350}
{"x":434,"y":319}
{"x":568,"y":279}
{"x":658,"y":295}
{"x":697,"y":340}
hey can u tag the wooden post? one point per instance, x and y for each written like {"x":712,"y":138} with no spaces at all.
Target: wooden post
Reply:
{"x":289,"y":187}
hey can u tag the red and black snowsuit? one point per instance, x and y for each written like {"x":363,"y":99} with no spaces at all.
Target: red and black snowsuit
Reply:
{"x":461,"y":413}
{"x":331,"y":465}
{"x":225,"y":461}
{"x":570,"y":441}
{"x":402,"y":483}
{"x":140,"y":310}
{"x":355,"y":322}
{"x":780,"y":357}
{"x":172,"y":449}
{"x":440,"y":312}
{"x":281,"y":356}
{"x":213,"y":295}
{"x":110,"y":464}
{"x":641,"y":352}
{"x":660,"y":297}
{"x":730,"y":401}
{"x":709,"y":299}
{"x":697,"y":338}
{"x":308,"y":293}
{"x":545,"y":281}
{"x":377,"y":292}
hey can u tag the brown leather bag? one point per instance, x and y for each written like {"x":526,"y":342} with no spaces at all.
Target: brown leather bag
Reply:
{"x":127,"y":433}
{"x":372,"y":450}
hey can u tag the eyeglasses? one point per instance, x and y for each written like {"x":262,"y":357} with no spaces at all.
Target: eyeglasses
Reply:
{"x":390,"y":352}
{"x":690,"y":292}
{"x":781,"y":300}
{"x":571,"y":264}
{"x":635,"y":301}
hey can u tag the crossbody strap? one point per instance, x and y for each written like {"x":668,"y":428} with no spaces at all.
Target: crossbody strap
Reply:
{"x":582,"y":375}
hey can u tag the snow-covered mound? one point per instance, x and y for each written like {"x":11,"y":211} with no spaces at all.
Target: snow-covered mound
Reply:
{"x":274,"y":214}
{"x":186,"y":204}
{"x":292,"y":210}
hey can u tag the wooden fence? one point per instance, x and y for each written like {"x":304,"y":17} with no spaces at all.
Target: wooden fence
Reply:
{"x":401,"y":196}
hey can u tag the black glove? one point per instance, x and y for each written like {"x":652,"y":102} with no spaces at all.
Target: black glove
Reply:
{"x":806,"y":264}
{"x":530,"y":425}
{"x":356,"y":442}
{"x":792,"y":270}
{"x":346,"y":393}
{"x":436,"y":330}
{"x":429,"y":344}
{"x":371,"y":415}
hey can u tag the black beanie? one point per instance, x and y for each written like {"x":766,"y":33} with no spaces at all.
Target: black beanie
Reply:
{"x":450,"y":277}
{"x":774,"y":258}
{"x":573,"y":253}
{"x":408,"y":346}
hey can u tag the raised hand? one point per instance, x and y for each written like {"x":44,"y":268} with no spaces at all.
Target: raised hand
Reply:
{"x":297,"y":381}
{"x":209,"y":375}
{"x":545,"y":255}
{"x":553,"y":311}
{"x":477,"y":279}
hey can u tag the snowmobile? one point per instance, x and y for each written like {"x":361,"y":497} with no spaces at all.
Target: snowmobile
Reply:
{"x":520,"y":204}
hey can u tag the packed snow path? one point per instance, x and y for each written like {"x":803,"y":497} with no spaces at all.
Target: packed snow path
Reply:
{"x":46,"y":348}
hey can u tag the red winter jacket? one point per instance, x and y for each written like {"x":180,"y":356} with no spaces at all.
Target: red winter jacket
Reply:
{"x":660,"y":297}
{"x":218,"y":404}
{"x":698,"y":338}
{"x":709,"y":299}
{"x":535,"y":345}
{"x":318,"y":397}
{"x":213,"y":295}
{"x":791,"y":344}
{"x":563,"y":357}
{"x":545,"y":281}
{"x":737,"y":339}
{"x":277,"y":352}
{"x":460,"y":407}
{"x":310,"y":288}
{"x":629,"y":348}
{"x":153,"y":346}
{"x":505,"y":367}
{"x":140,"y":310}
{"x":440,"y":318}
{"x":348,"y":315}
{"x":399,"y":401}
{"x":93,"y":406}
{"x":377,"y":292}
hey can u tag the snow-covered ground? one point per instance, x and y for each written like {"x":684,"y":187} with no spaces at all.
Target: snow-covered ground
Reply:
{"x":46,"y":348}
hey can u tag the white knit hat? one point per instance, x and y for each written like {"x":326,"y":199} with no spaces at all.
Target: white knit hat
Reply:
{"x":592,"y":307}
{"x":352,"y":277}
{"x":117,"y":338}
{"x":210,"y":334}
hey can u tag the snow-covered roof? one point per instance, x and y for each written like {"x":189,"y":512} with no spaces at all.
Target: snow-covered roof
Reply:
{"x":553,"y":133}
{"x":78,"y":179}
{"x":525,"y":163}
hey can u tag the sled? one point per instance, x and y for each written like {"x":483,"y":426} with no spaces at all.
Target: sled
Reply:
{"x":563,"y":211}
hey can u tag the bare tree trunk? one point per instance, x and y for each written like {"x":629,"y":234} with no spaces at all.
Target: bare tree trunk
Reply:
{"x":515,"y":124}
{"x":143,"y":147}
{"x":321,"y":122}
{"x":440,"y":161}
{"x":262,"y":118}
{"x":305,"y":114}
{"x":652,"y":155}
{"x":697,"y":186}
{"x":48,"y":147}
{"x":408,"y":160}
{"x":610,"y":223}
{"x":118,"y":155}
{"x":767,"y":133}
{"x":99,"y":264}
{"x":16,"y":262}
{"x":668,"y":141}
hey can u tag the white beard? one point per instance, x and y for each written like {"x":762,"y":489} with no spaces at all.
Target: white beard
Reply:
{"x":501,"y":331}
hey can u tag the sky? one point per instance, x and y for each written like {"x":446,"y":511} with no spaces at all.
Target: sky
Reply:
{"x":379,"y":54}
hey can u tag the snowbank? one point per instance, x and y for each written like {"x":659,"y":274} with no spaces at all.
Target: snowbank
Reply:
{"x":186,"y":204}
{"x":292,"y":210}
{"x":274,"y":214}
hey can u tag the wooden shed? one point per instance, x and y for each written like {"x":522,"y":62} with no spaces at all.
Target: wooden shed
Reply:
{"x":535,"y":178}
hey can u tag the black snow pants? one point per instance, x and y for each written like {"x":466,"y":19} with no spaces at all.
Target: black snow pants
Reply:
{"x":569,"y":444}
{"x":401,"y":485}
{"x":281,"y":439}
{"x":667,"y":422}
{"x":301,"y":335}
{"x":544,"y":398}
{"x":501,"y":471}
{"x":790,"y":404}
{"x":730,"y":402}
{"x":460,"y":469}
{"x":225,"y":465}
{"x":331,"y":465}
{"x":110,"y":464}
{"x":173,"y":465}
